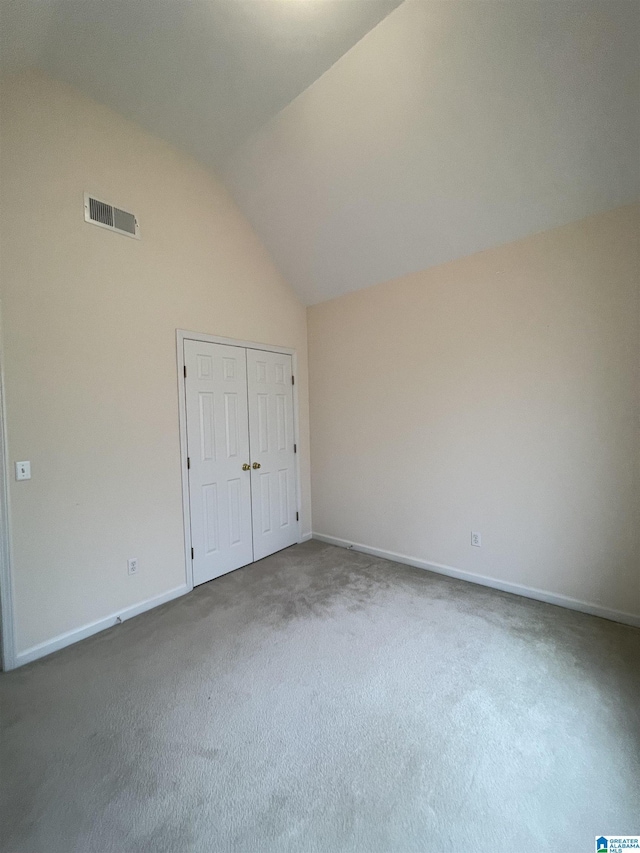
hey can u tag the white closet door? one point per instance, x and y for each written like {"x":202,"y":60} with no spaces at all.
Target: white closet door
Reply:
{"x":218,"y":447}
{"x":273,"y":480}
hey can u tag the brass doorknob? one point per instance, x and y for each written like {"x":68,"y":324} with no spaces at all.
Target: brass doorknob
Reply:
{"x":256,"y":464}
{"x":246,"y":467}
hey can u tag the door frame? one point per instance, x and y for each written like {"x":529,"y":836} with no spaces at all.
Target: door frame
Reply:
{"x":7,"y":618}
{"x":183,"y":335}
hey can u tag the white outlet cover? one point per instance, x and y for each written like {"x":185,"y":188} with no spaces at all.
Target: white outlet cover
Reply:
{"x":476,"y":539}
{"x":132,"y":565}
{"x":23,"y":470}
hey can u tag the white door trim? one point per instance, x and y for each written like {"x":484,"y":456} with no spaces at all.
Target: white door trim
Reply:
{"x":8,"y":643}
{"x":181,"y":336}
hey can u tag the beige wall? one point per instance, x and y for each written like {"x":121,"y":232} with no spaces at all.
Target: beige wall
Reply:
{"x":498,"y":393}
{"x":88,"y":328}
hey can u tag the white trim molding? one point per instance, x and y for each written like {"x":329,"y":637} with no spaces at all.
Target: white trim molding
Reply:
{"x":8,"y":638}
{"x":181,"y":336}
{"x":493,"y":583}
{"x":70,"y":637}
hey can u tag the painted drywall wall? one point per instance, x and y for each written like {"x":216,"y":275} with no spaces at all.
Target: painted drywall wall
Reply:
{"x":89,"y":320}
{"x":497,"y":393}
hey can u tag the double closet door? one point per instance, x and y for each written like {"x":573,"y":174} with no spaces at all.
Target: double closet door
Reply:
{"x":241,"y":462}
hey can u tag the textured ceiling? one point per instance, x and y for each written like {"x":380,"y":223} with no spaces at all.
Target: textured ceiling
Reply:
{"x":202,"y":74}
{"x":450,"y":128}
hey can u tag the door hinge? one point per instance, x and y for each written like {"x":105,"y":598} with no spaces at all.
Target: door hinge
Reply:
{"x":293,"y":379}
{"x":297,"y":516}
{"x":188,"y":462}
{"x":192,"y":553}
{"x":185,"y":371}
{"x":295,"y":448}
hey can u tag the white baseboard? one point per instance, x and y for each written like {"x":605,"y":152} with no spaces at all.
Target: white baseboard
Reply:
{"x":305,"y":537}
{"x":494,"y":583}
{"x":74,"y":636}
{"x":70,"y":637}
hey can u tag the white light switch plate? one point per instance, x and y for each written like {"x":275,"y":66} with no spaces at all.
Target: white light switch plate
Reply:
{"x":23,"y":470}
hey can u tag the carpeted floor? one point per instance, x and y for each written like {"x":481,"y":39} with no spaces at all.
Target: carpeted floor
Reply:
{"x":323,"y":700}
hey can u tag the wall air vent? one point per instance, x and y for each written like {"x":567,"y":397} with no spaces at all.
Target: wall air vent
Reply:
{"x":107,"y":216}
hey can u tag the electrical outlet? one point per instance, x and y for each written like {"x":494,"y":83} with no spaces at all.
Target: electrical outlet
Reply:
{"x":132,"y":565}
{"x":476,"y":539}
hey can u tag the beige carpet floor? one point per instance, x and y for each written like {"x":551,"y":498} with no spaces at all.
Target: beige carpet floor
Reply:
{"x":323,"y":700}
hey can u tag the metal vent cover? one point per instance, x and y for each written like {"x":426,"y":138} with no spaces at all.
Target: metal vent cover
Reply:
{"x":107,"y":216}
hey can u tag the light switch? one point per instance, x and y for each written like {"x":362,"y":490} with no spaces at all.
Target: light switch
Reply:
{"x":23,"y":470}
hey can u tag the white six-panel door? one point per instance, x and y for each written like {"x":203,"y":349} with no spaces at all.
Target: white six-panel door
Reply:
{"x":273,"y":479}
{"x":241,"y":460}
{"x":218,"y":447}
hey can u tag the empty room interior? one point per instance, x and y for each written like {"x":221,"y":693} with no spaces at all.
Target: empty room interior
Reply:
{"x":319,"y":426}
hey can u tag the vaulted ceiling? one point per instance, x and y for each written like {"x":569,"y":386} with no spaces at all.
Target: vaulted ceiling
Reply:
{"x":450,"y":128}
{"x":365,"y":139}
{"x":202,"y":74}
